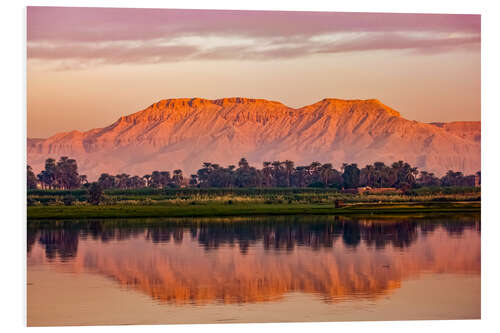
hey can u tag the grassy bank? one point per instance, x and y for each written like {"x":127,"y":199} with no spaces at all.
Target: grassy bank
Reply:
{"x":251,"y":196}
{"x":255,"y":209}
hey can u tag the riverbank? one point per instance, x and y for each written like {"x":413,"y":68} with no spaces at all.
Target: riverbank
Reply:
{"x":237,"y":209}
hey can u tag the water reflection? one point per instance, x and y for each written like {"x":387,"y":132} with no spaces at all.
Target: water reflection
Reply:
{"x":261,"y":259}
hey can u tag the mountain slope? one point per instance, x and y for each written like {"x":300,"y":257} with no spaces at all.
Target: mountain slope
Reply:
{"x":469,"y":130}
{"x":183,"y":133}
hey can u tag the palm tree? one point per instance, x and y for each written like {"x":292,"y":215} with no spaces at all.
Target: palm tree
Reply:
{"x":289,"y":168}
{"x":427,"y":179}
{"x":31,"y":178}
{"x":83,"y":180}
{"x":243,"y":163}
{"x":231,"y":175}
{"x":267,"y":173}
{"x":326,"y":173}
{"x":66,"y":172}
{"x":48,"y":176}
{"x":314,"y":172}
{"x":299,"y":176}
{"x":406,"y":174}
{"x":452,"y":178}
{"x":351,"y":175}
{"x":245,"y":175}
{"x":177,"y":178}
{"x":146,"y":179}
{"x":193,"y":181}
{"x":123,"y":181}
{"x":367,"y":176}
{"x":106,"y":181}
{"x":277,"y":173}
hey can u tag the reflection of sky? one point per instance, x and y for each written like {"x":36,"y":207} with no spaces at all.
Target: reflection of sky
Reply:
{"x":185,"y":272}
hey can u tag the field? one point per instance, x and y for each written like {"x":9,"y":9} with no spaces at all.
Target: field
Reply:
{"x":115,"y":211}
{"x":248,"y":202}
{"x":195,"y":196}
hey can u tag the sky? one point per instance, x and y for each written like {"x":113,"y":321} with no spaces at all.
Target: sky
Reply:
{"x":86,"y":67}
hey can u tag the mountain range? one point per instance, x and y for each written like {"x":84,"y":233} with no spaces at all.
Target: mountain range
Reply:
{"x":183,"y":133}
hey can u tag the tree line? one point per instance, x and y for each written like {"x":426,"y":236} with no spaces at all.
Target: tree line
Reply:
{"x":400,"y":175}
{"x":61,"y":175}
{"x":313,"y":234}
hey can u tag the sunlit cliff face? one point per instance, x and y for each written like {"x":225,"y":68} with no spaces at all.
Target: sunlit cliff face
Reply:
{"x":236,"y":263}
{"x":184,"y":133}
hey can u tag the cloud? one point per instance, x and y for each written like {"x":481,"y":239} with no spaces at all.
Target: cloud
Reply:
{"x":400,"y":42}
{"x":116,"y":36}
{"x":111,"y":54}
{"x":106,"y":24}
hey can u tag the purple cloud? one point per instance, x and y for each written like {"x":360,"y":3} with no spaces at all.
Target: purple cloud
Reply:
{"x":114,"y":35}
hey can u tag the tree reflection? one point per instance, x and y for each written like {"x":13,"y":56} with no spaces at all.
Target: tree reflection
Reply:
{"x":274,"y":234}
{"x":193,"y":260}
{"x":63,"y":243}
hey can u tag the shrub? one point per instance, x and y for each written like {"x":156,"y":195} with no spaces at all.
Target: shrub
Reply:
{"x":317,"y":185}
{"x":95,"y":194}
{"x":68,"y":200}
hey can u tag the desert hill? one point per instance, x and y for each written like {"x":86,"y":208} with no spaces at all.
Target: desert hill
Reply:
{"x":184,"y":133}
{"x":470,"y":130}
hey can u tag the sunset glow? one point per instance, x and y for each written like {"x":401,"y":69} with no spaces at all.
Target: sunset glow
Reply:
{"x":87,"y":66}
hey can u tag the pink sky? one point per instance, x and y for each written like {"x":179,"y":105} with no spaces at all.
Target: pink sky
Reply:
{"x":88,"y":66}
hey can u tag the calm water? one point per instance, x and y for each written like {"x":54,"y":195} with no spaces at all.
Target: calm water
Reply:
{"x":269,"y":269}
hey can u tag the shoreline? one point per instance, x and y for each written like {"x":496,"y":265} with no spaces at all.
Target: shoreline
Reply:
{"x":227,"y":210}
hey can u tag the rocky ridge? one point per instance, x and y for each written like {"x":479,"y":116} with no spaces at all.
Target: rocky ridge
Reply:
{"x":184,"y":133}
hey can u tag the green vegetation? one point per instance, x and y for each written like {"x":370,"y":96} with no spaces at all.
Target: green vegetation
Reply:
{"x":399,"y":176}
{"x":95,"y":194}
{"x":278,"y":188}
{"x":61,"y":175}
{"x":279,"y":221}
{"x":198,"y":196}
{"x":239,"y":209}
{"x":68,"y":200}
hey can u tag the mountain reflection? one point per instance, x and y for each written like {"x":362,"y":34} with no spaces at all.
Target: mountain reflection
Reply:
{"x":261,"y":259}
